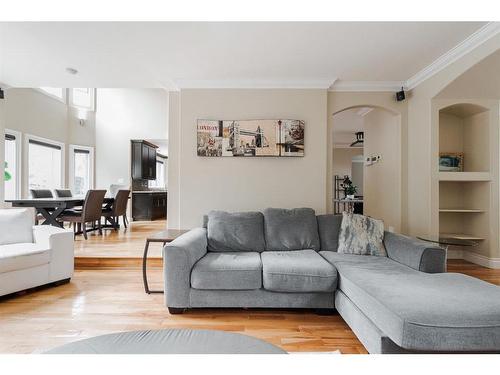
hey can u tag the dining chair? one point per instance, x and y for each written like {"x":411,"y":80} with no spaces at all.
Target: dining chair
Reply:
{"x":63,"y":193}
{"x":119,"y":208}
{"x":41,"y":193}
{"x":91,"y":212}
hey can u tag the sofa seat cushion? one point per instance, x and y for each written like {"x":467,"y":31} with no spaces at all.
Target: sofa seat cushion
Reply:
{"x":238,"y":231}
{"x":297,"y":271}
{"x":294,"y":229}
{"x":20,"y":256}
{"x":422,"y":311}
{"x":228,"y":271}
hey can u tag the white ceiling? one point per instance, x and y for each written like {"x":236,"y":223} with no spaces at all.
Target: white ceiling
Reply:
{"x":229,"y":54}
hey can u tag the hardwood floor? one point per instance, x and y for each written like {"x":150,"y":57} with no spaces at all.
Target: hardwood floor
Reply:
{"x":103,"y":301}
{"x":106,"y":295}
{"x":110,"y":300}
{"x":124,"y":243}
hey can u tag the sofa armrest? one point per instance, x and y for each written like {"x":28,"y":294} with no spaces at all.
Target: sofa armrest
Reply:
{"x":415,"y":253}
{"x":62,"y":255}
{"x":179,"y":257}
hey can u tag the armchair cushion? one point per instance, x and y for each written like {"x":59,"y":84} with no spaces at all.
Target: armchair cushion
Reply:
{"x":16,"y":225}
{"x":20,"y":256}
{"x":239,"y":231}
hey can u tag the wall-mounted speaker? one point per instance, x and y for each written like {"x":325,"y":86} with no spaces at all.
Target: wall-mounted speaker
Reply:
{"x":1,"y":94}
{"x":400,"y":95}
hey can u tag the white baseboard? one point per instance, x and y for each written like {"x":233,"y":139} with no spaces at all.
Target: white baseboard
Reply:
{"x":474,"y":258}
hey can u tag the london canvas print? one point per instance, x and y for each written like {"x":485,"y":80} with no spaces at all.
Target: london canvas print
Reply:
{"x":282,"y":137}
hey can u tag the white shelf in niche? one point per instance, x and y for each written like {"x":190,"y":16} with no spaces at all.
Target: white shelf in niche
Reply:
{"x":464,"y":176}
{"x":463,"y":210}
{"x":461,"y":236}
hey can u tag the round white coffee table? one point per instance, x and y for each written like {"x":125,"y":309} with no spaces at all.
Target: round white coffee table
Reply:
{"x":170,"y":341}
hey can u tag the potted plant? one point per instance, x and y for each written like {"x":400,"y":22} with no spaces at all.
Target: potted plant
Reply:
{"x":6,"y":174}
{"x":350,"y":191}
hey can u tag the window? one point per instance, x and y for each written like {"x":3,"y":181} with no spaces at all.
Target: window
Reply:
{"x":82,"y":97}
{"x":161,"y":165}
{"x":12,"y":167}
{"x":54,"y":92}
{"x":45,"y":163}
{"x":81,"y":169}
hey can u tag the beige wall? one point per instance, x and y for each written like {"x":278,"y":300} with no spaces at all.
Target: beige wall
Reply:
{"x":338,"y":101}
{"x":382,"y":180}
{"x":247,"y":183}
{"x":31,"y":112}
{"x":421,"y":116}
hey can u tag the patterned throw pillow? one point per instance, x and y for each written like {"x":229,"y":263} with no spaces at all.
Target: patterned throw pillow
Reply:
{"x":361,"y":235}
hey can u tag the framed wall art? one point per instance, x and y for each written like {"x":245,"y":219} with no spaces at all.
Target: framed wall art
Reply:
{"x":247,"y":138}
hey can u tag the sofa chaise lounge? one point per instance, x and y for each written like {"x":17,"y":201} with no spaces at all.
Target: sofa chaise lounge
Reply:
{"x":401,"y":303}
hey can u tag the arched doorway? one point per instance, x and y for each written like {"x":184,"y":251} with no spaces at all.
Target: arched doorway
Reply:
{"x":365,"y":143}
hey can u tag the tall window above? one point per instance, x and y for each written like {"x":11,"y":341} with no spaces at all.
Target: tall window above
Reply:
{"x":12,"y":166}
{"x":45,"y":163}
{"x":54,"y":92}
{"x":81,"y":169}
{"x":82,"y":98}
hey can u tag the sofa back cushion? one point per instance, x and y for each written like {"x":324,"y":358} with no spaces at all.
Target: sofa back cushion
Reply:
{"x":329,"y":229}
{"x":294,"y":229}
{"x":239,"y":231}
{"x":16,"y":225}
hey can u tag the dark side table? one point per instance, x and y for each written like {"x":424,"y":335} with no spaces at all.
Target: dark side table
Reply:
{"x":163,"y":237}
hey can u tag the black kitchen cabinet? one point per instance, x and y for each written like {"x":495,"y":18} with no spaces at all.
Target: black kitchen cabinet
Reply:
{"x":150,"y":205}
{"x":143,"y":160}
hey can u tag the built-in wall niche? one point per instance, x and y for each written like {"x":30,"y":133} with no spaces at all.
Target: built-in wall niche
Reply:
{"x":464,"y":129}
{"x":464,"y":210}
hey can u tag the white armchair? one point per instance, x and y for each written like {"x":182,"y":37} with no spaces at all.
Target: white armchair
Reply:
{"x":32,"y":255}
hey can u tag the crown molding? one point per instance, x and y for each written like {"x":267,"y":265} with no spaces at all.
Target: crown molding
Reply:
{"x":389,"y":86}
{"x":473,"y":41}
{"x":256,"y":84}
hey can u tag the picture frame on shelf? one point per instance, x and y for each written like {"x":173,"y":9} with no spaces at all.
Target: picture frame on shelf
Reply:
{"x":451,"y":162}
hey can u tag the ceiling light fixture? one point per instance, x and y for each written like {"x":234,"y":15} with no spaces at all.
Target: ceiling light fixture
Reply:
{"x":71,"y":71}
{"x":360,"y":137}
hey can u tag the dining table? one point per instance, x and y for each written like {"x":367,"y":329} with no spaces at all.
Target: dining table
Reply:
{"x":52,"y":208}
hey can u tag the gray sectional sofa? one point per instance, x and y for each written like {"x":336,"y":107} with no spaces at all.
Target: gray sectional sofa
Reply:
{"x":401,"y":303}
